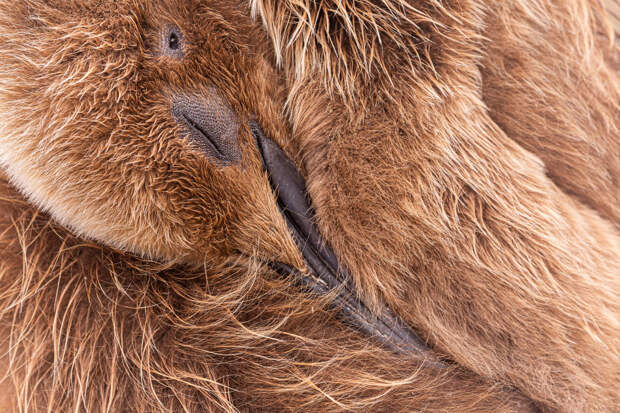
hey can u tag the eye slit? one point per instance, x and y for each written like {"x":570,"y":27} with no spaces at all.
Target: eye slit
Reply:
{"x":173,"y":40}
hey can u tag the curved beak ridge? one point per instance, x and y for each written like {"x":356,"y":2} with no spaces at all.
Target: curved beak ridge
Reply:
{"x":327,"y":275}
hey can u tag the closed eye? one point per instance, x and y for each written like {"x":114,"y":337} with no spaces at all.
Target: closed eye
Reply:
{"x":210,"y":124}
{"x":208,"y":139}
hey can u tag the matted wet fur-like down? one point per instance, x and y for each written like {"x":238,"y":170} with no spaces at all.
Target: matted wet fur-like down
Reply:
{"x":462,"y":158}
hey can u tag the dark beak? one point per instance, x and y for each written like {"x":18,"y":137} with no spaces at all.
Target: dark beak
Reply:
{"x":327,"y":275}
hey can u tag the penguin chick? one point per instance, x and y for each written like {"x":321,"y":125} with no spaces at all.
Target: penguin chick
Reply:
{"x":129,"y":122}
{"x":133,"y":129}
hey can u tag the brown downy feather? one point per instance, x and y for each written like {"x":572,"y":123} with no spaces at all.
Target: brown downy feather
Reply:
{"x":96,"y":330}
{"x":87,"y":133}
{"x":132,"y":272}
{"x":471,"y":181}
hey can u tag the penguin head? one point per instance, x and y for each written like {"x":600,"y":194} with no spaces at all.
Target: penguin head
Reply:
{"x":129,"y":122}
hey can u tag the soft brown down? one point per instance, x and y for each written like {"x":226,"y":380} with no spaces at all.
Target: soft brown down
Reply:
{"x":463,"y":158}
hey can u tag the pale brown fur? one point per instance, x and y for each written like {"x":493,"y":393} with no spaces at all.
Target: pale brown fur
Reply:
{"x":145,"y":288}
{"x":440,"y":211}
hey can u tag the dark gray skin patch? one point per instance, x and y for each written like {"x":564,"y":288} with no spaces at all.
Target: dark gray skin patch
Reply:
{"x":209,"y":123}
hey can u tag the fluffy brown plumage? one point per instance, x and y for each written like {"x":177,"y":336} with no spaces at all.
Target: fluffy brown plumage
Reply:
{"x":474,"y":191}
{"x":460,"y":178}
